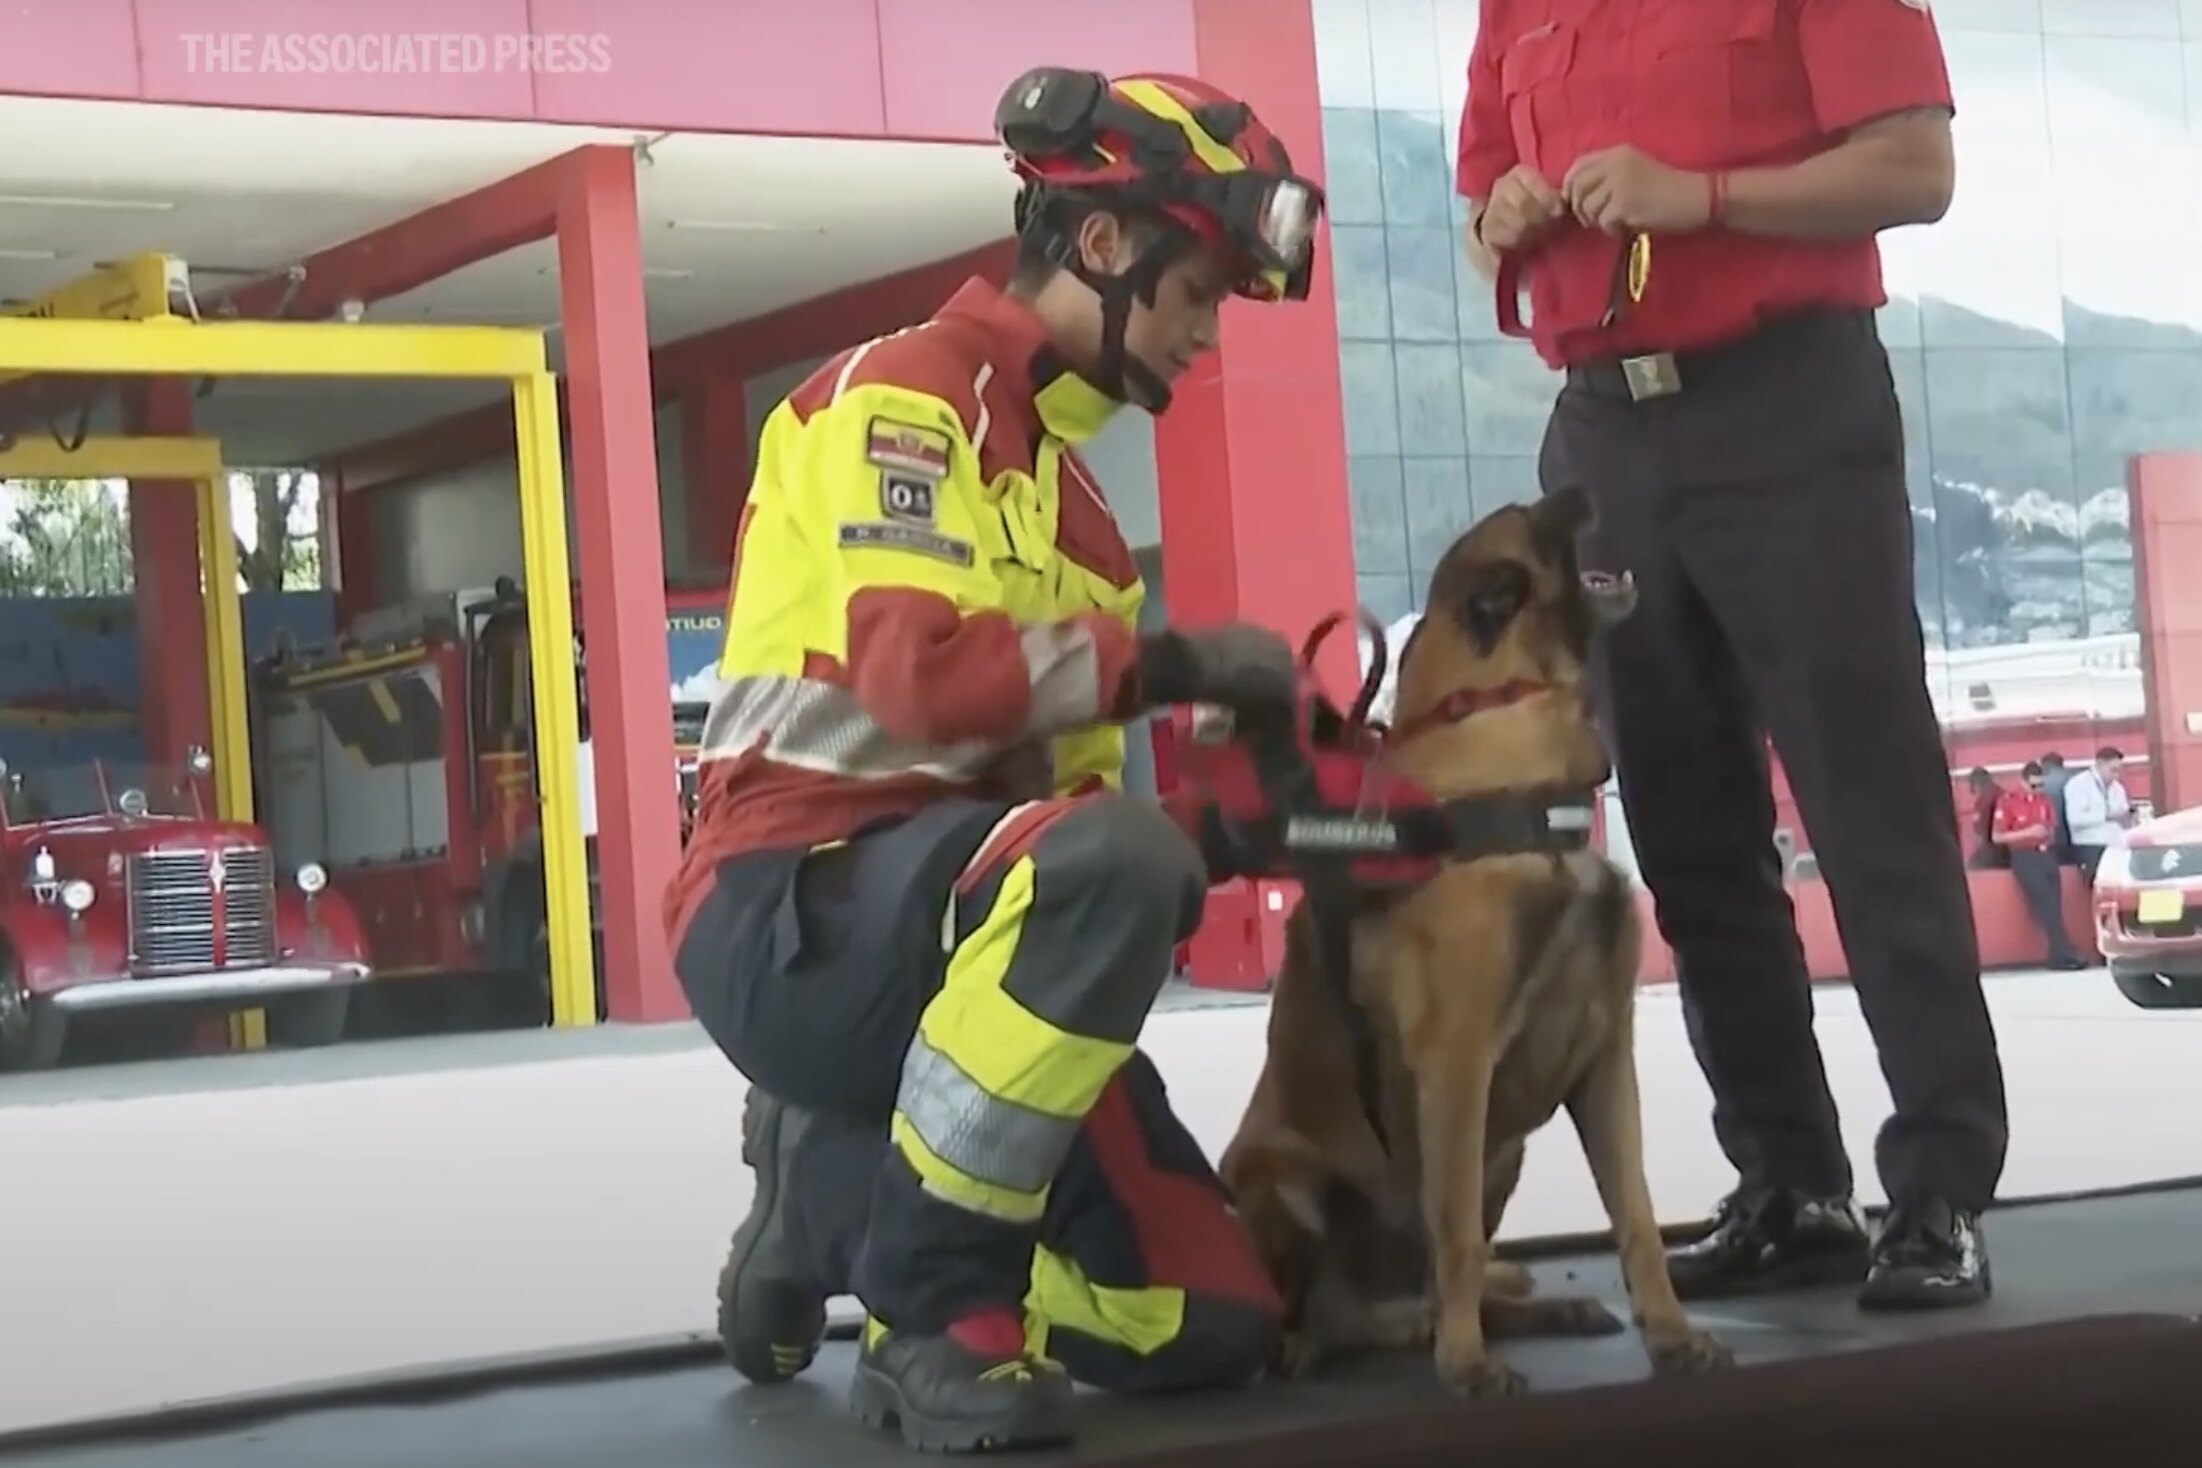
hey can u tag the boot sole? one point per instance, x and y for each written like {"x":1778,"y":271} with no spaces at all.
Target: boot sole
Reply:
{"x":763,"y":1362}
{"x":877,"y":1400}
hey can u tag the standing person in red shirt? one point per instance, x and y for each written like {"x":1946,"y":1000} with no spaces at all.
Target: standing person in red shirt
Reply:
{"x":2025,"y":825}
{"x":1691,"y":191}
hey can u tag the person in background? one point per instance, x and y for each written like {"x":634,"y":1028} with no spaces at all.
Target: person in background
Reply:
{"x":2023,"y":824}
{"x":2055,"y":774}
{"x":1988,"y":853}
{"x":1692,"y":194}
{"x":2097,"y":809}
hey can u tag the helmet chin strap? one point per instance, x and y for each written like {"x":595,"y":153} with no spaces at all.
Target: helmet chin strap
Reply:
{"x":1117,"y":372}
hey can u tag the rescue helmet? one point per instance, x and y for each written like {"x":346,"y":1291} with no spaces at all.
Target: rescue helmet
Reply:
{"x":1164,"y":146}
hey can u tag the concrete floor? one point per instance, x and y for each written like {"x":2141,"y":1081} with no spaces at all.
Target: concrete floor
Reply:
{"x":194,"y":1228}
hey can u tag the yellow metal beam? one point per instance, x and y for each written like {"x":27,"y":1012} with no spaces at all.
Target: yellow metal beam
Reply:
{"x":557,"y":711}
{"x":113,"y":458}
{"x":175,"y":347}
{"x":141,"y":288}
{"x":225,"y":651}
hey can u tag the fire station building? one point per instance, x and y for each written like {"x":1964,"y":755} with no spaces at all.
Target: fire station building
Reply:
{"x":697,"y":203}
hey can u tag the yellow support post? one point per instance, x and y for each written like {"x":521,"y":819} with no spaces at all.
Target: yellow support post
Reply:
{"x":174,"y":347}
{"x":225,"y":651}
{"x":549,"y":588}
{"x":197,"y":461}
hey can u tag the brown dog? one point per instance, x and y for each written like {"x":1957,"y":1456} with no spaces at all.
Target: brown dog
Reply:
{"x":1498,"y":992}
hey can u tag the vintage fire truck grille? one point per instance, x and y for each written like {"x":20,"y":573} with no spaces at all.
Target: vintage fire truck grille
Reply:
{"x":173,"y":909}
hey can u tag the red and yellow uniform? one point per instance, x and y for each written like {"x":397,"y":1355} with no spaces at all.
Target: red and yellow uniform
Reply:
{"x":931,"y":594}
{"x":917,"y":910}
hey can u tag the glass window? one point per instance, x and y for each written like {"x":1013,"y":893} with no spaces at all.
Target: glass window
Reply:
{"x":1353,"y":184}
{"x":1362,"y":280}
{"x":1422,"y":284}
{"x":1429,"y":398}
{"x":1439,"y":507}
{"x":1379,"y":514}
{"x":1372,"y":403}
{"x":1417,"y":168}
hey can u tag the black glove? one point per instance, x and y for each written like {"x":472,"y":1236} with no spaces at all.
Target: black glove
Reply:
{"x":1242,"y":667}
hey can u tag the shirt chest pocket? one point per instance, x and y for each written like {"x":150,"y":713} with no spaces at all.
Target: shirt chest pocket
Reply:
{"x":1713,"y":79}
{"x":1533,"y":77}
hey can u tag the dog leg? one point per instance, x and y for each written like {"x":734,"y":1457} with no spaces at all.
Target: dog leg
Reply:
{"x":1454,"y":1095}
{"x":1608,"y":1116}
{"x":1509,"y":1312}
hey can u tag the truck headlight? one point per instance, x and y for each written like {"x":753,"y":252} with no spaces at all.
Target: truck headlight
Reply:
{"x":78,"y":895}
{"x":312,"y":878}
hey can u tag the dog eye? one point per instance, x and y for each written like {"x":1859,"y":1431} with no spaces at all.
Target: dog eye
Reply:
{"x":1495,"y":598}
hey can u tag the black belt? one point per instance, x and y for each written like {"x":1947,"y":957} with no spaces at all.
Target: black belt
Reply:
{"x":1649,"y":375}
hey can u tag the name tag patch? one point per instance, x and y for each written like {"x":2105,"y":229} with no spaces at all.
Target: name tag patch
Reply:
{"x":906,"y":497}
{"x":894,"y":535}
{"x":907,"y":448}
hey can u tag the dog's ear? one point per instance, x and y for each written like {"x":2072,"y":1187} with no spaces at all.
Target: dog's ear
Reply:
{"x":1560,"y":517}
{"x":1491,"y":597}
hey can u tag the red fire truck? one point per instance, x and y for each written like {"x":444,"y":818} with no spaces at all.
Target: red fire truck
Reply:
{"x":400,"y":758}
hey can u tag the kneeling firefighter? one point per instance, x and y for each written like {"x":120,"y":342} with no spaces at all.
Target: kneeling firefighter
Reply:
{"x":917,"y":912}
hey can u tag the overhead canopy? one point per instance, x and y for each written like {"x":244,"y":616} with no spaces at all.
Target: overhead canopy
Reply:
{"x":733,"y":227}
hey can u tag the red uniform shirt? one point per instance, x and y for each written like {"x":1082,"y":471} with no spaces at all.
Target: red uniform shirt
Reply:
{"x":1704,"y":85}
{"x":2020,"y":810}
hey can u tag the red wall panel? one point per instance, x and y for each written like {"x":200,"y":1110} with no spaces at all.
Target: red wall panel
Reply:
{"x":69,"y":48}
{"x":948,"y":60}
{"x":764,"y":66}
{"x":921,"y":69}
{"x":350,"y":58}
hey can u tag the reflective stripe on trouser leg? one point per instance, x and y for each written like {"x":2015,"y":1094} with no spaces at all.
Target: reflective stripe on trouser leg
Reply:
{"x":1064,"y":929}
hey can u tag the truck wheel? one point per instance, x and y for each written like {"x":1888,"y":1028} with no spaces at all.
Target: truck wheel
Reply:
{"x":309,"y":1021}
{"x":32,"y":1031}
{"x":2150,"y":990}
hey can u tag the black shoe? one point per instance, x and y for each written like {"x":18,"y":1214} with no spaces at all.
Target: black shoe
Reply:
{"x":771,"y":1316}
{"x":1768,"y":1239}
{"x":962,"y":1392}
{"x":1928,"y":1256}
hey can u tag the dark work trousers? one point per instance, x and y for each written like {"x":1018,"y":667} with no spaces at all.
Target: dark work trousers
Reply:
{"x":959,"y":997}
{"x":2042,"y":880}
{"x":1762,"y":510}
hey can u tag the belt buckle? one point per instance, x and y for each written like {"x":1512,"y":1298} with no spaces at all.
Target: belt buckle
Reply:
{"x":1653,"y":376}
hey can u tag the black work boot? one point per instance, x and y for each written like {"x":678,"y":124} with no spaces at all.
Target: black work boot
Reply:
{"x":1928,"y":1256}
{"x":1767,"y":1239}
{"x":973,"y":1389}
{"x":772,"y":1315}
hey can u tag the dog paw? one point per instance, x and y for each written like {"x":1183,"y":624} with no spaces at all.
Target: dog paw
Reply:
{"x":1689,"y":1353}
{"x":1504,"y":1279}
{"x":1564,"y":1315}
{"x":1400,"y":1324}
{"x":1483,"y":1376}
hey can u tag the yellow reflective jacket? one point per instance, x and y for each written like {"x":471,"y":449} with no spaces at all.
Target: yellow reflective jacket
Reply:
{"x":930,"y":594}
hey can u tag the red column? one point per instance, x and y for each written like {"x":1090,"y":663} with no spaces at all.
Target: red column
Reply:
{"x":351,"y":522}
{"x":2166,"y":515}
{"x":615,"y":487}
{"x":715,"y":464}
{"x":1251,"y":457}
{"x":164,"y":553}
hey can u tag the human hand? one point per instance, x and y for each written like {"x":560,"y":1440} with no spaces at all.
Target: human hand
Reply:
{"x":1521,"y":208}
{"x":1622,"y":190}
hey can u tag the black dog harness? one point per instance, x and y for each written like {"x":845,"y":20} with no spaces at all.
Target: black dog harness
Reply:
{"x":1308,"y":796}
